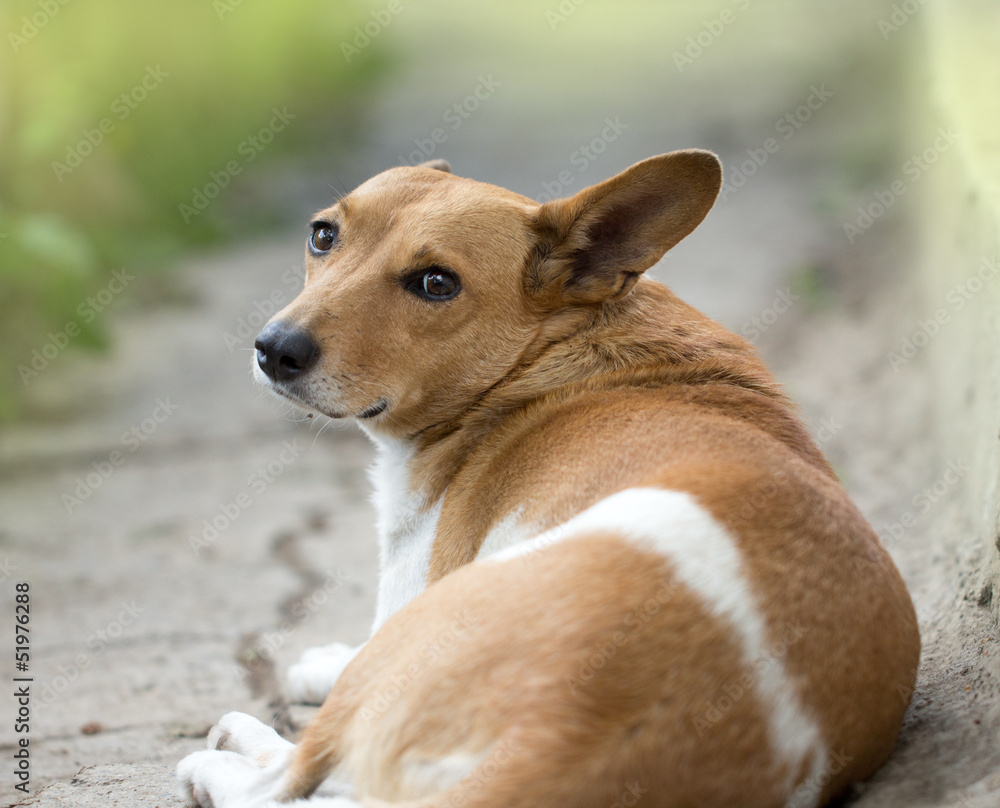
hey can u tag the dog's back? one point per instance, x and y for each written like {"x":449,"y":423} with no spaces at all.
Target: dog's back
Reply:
{"x":676,"y":593}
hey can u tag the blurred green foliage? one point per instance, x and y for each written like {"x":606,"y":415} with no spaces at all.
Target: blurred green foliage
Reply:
{"x":112,"y":113}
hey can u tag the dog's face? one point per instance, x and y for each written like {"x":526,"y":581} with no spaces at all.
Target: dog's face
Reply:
{"x":413,"y":301}
{"x":423,"y":290}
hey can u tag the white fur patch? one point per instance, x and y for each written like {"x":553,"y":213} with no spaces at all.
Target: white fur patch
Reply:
{"x":510,"y":530}
{"x":406,"y":528}
{"x":708,"y":561}
{"x":310,"y":680}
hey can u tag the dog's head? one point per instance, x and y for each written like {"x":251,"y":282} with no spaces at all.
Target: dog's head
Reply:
{"x":424,"y":290}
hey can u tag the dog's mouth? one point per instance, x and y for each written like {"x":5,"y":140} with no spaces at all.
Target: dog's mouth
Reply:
{"x":289,"y":393}
{"x":302,"y":404}
{"x":377,"y":408}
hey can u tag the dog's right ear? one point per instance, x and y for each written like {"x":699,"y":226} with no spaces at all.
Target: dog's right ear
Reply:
{"x":592,"y":247}
{"x":440,"y":165}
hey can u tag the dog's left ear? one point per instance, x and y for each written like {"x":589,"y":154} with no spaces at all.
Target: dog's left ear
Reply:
{"x":592,"y":247}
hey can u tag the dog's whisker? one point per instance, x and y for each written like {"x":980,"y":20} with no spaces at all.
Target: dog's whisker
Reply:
{"x":322,"y":428}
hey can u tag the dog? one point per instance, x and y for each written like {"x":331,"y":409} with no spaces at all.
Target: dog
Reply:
{"x":614,"y":564}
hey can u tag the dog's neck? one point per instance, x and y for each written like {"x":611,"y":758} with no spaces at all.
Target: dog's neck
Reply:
{"x":650,"y":338}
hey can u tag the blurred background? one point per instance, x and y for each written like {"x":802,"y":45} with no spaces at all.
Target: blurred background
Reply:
{"x":186,"y":538}
{"x":137,"y":133}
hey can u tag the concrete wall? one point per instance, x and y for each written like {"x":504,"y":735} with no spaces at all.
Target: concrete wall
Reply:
{"x":956,"y":128}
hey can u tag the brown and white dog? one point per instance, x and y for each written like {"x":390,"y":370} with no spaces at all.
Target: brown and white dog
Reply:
{"x":614,"y":564}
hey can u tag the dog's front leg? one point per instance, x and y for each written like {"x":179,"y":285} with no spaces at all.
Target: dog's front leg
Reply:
{"x":310,"y":679}
{"x":402,"y":577}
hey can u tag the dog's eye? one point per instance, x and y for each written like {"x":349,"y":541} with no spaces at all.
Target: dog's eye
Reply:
{"x":435,"y":284}
{"x":440,"y":284}
{"x":324,"y":236}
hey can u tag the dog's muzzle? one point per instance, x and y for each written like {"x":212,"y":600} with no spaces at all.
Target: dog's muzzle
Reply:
{"x":285,"y":352}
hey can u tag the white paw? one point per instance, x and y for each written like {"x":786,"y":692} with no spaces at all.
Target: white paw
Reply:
{"x":310,"y":679}
{"x":214,"y":779}
{"x":245,"y":735}
{"x":241,"y":768}
{"x":245,"y":766}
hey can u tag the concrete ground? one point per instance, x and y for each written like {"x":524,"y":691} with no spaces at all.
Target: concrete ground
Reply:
{"x":185,"y":539}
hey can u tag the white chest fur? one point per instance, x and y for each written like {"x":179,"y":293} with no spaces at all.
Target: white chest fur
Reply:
{"x":407,"y":525}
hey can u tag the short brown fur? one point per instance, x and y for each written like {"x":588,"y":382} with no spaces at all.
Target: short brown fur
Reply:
{"x":556,"y":378}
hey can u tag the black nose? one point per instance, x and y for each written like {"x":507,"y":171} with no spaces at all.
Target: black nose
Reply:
{"x":285,"y":351}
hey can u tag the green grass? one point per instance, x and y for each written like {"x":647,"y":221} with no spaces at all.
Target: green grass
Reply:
{"x":77,"y":203}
